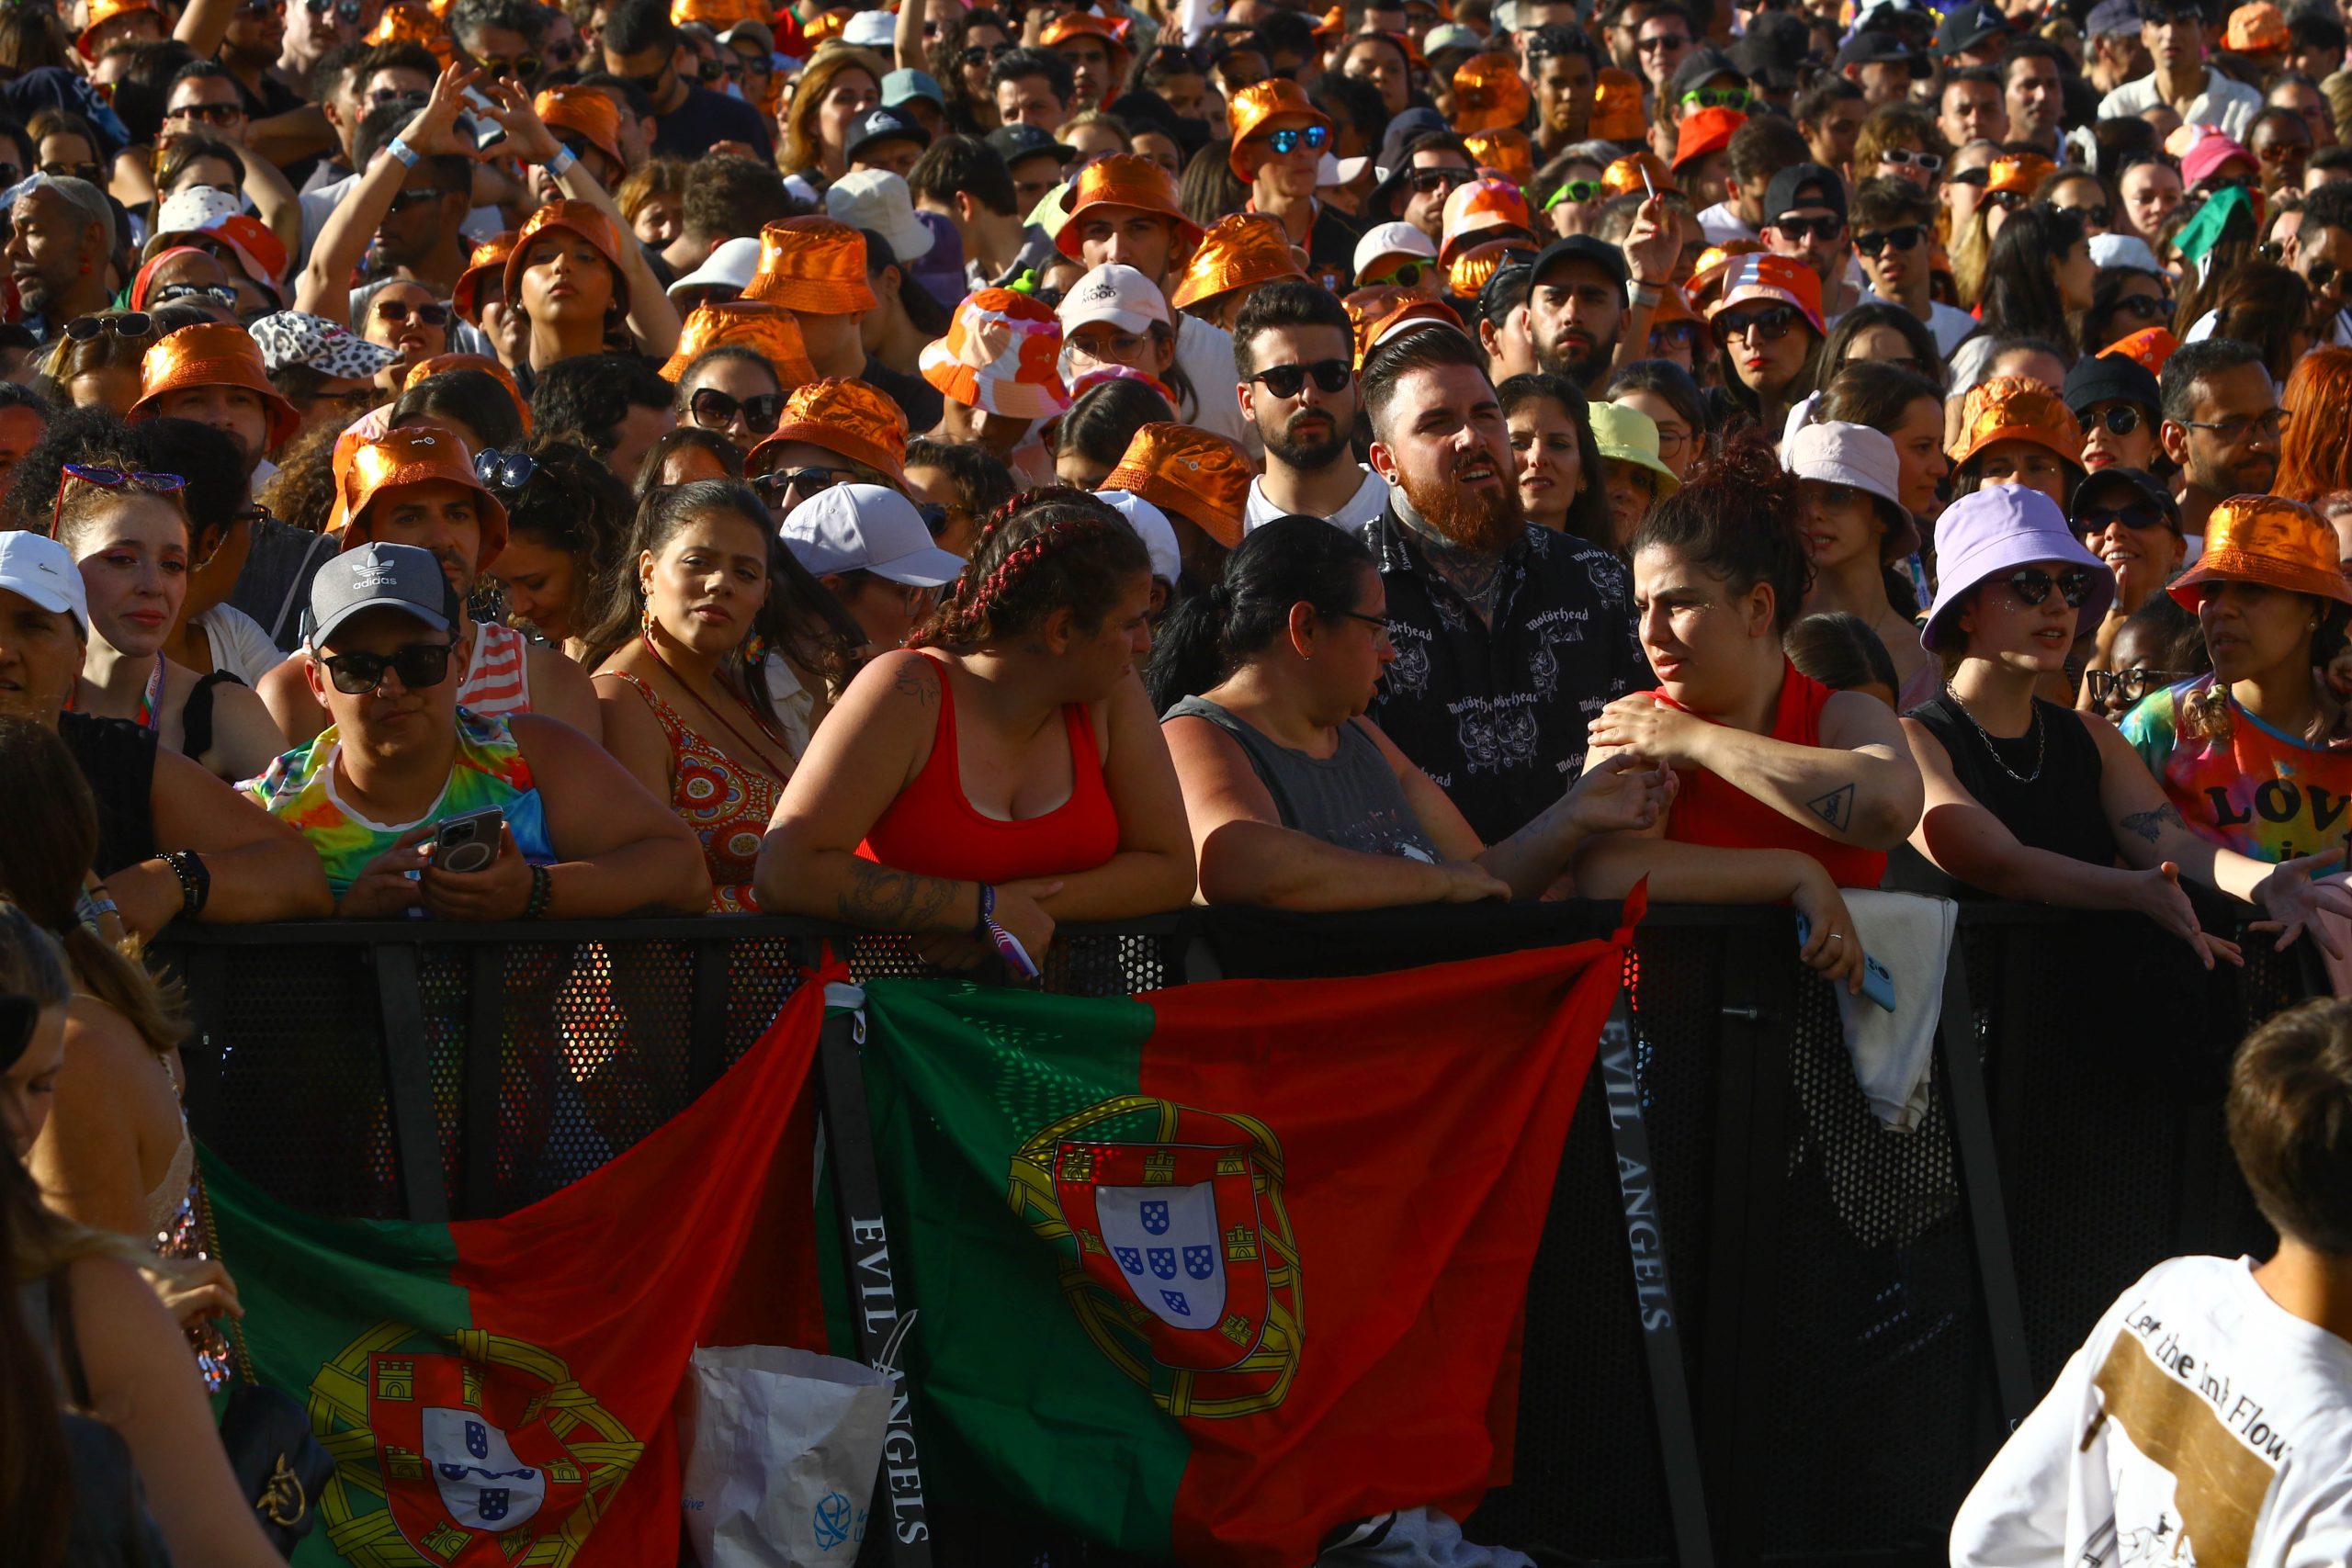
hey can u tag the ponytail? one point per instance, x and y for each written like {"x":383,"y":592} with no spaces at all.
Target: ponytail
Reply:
{"x":1188,"y":650}
{"x":1291,"y":560}
{"x":1736,"y":517}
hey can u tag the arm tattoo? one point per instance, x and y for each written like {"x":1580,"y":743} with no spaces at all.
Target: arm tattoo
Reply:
{"x":883,"y":900}
{"x":1837,"y":807}
{"x":2149,"y":825}
{"x":910,"y":684}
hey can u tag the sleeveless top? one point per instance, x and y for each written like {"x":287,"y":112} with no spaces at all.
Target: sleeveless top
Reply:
{"x":111,"y":1528}
{"x":1707,"y":810}
{"x":931,"y":828}
{"x":726,"y":804}
{"x":498,"y":675}
{"x":491,"y":770}
{"x":2059,"y":811}
{"x":117,"y":762}
{"x":1350,"y":798}
{"x":2236,"y":780}
{"x":163,"y":1205}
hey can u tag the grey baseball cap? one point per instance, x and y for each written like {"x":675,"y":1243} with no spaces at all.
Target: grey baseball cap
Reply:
{"x":379,"y":577}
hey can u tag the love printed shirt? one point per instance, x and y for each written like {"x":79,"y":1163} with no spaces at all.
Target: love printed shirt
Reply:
{"x":2238,"y":781}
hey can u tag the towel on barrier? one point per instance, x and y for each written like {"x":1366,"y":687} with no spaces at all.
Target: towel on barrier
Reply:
{"x":1416,"y":1538}
{"x":1912,"y":936}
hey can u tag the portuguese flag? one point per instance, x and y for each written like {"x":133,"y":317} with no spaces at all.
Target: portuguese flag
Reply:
{"x":1212,"y":1272}
{"x":498,"y":1392}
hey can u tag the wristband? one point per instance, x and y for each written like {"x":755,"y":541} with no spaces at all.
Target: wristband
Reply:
{"x":407,"y":154}
{"x":564,"y":158}
{"x":1648,"y":294}
{"x":542,"y":888}
{"x":196,"y":882}
{"x":94,"y":904}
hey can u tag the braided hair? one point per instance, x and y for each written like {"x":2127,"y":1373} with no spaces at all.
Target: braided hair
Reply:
{"x":1047,"y":550}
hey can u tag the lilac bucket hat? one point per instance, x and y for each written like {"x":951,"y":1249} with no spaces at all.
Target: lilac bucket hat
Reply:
{"x":1991,"y":533}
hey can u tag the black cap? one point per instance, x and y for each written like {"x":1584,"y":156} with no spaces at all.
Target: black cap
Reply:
{"x":1876,"y":47}
{"x":883,"y":125}
{"x":1966,"y":27}
{"x":1772,"y":53}
{"x":1699,"y":67}
{"x":1505,"y":290}
{"x":2110,"y":377}
{"x":1788,"y":190}
{"x":1014,"y":143}
{"x":2145,"y":486}
{"x":1585,"y":248}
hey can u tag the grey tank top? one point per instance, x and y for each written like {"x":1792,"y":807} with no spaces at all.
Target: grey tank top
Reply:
{"x":1350,"y":798}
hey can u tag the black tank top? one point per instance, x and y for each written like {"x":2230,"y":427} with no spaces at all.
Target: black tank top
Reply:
{"x":117,"y":762}
{"x":2059,"y":811}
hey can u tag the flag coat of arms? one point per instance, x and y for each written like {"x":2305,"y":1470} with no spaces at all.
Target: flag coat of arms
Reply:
{"x":1210,"y":1272}
{"x":498,"y":1392}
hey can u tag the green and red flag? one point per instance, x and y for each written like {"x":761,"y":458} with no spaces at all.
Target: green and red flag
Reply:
{"x":1208,"y":1273}
{"x":498,"y":1392}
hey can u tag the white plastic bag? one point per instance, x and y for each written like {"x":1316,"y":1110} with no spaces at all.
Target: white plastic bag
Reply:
{"x":784,"y":1447}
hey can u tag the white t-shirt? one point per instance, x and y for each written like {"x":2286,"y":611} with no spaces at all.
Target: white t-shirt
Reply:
{"x":1949,"y":326}
{"x":1721,"y":224}
{"x":238,"y":643}
{"x":1204,"y":353}
{"x":2200,"y":1423}
{"x":1369,"y":501}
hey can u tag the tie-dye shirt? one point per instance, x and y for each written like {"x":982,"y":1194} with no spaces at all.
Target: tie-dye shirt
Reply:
{"x":491,"y":770}
{"x":2255,"y":790}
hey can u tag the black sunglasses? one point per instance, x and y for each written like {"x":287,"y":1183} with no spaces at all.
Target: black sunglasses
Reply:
{"x":131,"y":324}
{"x":430,"y":314}
{"x":808,"y":482}
{"x":2147,"y":307}
{"x":1827,"y":226}
{"x":1768,"y":325}
{"x":418,"y":664}
{"x":714,"y":410}
{"x":2094,"y":217}
{"x":1289,"y":380}
{"x":345,"y":11}
{"x":1978,"y":177}
{"x":503,"y":471}
{"x":417,"y":197}
{"x":2033,"y":585}
{"x":2121,"y":419}
{"x":2007,"y":200}
{"x":974,"y":54}
{"x":1905,"y":237}
{"x":2135,"y":517}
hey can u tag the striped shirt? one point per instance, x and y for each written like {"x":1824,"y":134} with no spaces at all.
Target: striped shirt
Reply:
{"x":498,"y":675}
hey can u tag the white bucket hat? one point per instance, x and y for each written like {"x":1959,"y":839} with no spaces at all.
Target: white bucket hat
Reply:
{"x":1861,"y":458}
{"x":732,"y":266}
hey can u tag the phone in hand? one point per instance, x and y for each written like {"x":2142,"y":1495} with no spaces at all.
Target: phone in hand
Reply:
{"x":1878,"y":981}
{"x":469,"y":842}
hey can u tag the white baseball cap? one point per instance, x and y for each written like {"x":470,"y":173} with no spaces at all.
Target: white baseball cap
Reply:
{"x":732,"y":266}
{"x":879,"y":200}
{"x":1151,"y":525}
{"x":871,"y":29}
{"x":853,"y":528}
{"x":41,"y":570}
{"x":1392,"y":240}
{"x":1115,"y":293}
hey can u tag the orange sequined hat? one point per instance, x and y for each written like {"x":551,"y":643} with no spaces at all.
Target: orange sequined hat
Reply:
{"x":1624,"y":176}
{"x":589,"y":112}
{"x":848,"y":418}
{"x":212,"y":353}
{"x":415,"y":453}
{"x":770,"y":331}
{"x":2267,"y":539}
{"x":1383,"y":310}
{"x":405,"y":22}
{"x":1240,"y":250}
{"x":1489,"y":94}
{"x":1616,"y":106}
{"x":1476,"y":209}
{"x":1258,"y":103}
{"x":2018,"y":171}
{"x":1201,"y":478}
{"x":2259,"y":29}
{"x":1122,"y":179}
{"x":2150,"y":345}
{"x":441,"y":363}
{"x":1476,"y":264}
{"x":488,"y":262}
{"x":1076,"y":24}
{"x":717,"y":14}
{"x":814,"y":265}
{"x":101,"y":12}
{"x":579,"y":218}
{"x":1508,"y":152}
{"x":1000,"y":354}
{"x":2016,"y":408}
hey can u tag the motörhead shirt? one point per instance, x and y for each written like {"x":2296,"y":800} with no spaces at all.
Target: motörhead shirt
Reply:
{"x":1496,"y":712}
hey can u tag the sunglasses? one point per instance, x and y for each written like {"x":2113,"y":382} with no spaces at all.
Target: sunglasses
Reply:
{"x":1967,"y":176}
{"x":110,"y":478}
{"x":1291,"y":138}
{"x":2007,"y":200}
{"x":418,"y":664}
{"x":505,"y":65}
{"x":416,"y":198}
{"x":2146,"y":306}
{"x":714,"y":410}
{"x":1662,"y":40}
{"x":210,"y":293}
{"x":1824,"y":228}
{"x":2131,"y":684}
{"x":2121,"y":420}
{"x":2320,"y":274}
{"x":1716,"y":98}
{"x":503,"y":471}
{"x":1904,"y":237}
{"x":975,"y":54}
{"x":2135,"y":517}
{"x":561,"y":51}
{"x":259,"y":8}
{"x":131,"y":324}
{"x":90,"y":171}
{"x":1768,"y":325}
{"x":651,"y":83}
{"x":1289,"y":380}
{"x":1404,"y":277}
{"x":212,"y":114}
{"x":2282,"y":152}
{"x":1579,"y":192}
{"x":711,"y":69}
{"x":2033,"y":585}
{"x":429,"y":314}
{"x":2094,"y":217}
{"x":1675,"y":334}
{"x":805,"y":481}
{"x":1903,"y":157}
{"x":345,"y":11}
{"x":1428,"y":182}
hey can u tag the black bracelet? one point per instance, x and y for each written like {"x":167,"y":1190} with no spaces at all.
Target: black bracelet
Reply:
{"x":542,"y":888}
{"x":195,"y":880}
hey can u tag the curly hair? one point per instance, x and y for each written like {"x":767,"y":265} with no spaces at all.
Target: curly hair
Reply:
{"x":572,"y":503}
{"x":1736,"y":517}
{"x":1047,"y":550}
{"x":302,"y":490}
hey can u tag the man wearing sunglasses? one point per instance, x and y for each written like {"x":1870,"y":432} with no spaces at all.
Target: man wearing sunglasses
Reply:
{"x":1804,"y":219}
{"x":503,"y":37}
{"x":1895,"y":235}
{"x":642,"y":45}
{"x":1436,"y":164}
{"x":574,"y":834}
{"x":1295,"y":349}
{"x":1279,"y":138}
{"x":2174,"y":32}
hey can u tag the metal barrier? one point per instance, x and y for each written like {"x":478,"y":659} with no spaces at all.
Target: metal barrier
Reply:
{"x":1855,"y":1316}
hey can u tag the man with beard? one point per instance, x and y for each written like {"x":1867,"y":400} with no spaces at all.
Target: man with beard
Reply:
{"x":1293,"y":349}
{"x":62,"y":232}
{"x":1578,"y":313}
{"x":214,"y":375}
{"x":2222,"y":424}
{"x":1508,"y":637}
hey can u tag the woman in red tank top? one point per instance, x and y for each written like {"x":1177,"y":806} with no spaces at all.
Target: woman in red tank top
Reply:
{"x":1007,"y":767}
{"x":1788,"y":790}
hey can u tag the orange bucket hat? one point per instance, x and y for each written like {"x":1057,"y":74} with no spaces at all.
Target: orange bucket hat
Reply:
{"x":2270,"y":540}
{"x":770,"y":331}
{"x":1476,"y":264}
{"x":2259,"y":28}
{"x":2020,"y":172}
{"x":577,"y":218}
{"x":1201,"y":478}
{"x":588,"y":111}
{"x":212,"y":353}
{"x":1239,"y":250}
{"x":849,"y":418}
{"x":1256,"y":104}
{"x":717,"y":14}
{"x":1489,"y":94}
{"x":1616,"y":105}
{"x":404,"y":21}
{"x":814,"y":265}
{"x":415,"y":453}
{"x":102,"y":12}
{"x":1000,"y":354}
{"x":441,"y":363}
{"x":1479,"y":208}
{"x":1383,"y":310}
{"x":1624,"y":176}
{"x":1506,"y":150}
{"x":1122,"y":179}
{"x":2150,"y":345}
{"x":2016,"y":408}
{"x":1084,"y":24}
{"x":1781,"y":279}
{"x":487,"y":261}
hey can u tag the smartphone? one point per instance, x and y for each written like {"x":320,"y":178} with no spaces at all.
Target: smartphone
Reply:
{"x":469,"y":842}
{"x":1878,"y":981}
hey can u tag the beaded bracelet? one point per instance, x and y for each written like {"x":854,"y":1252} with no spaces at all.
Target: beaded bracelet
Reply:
{"x":195,"y":880}
{"x":542,"y":888}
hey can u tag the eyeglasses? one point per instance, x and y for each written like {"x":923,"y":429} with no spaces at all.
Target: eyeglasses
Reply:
{"x":1379,"y":624}
{"x":1428,"y":182}
{"x":1903,"y":157}
{"x":1768,"y":325}
{"x":1716,"y":98}
{"x":2007,"y":200}
{"x":1290,"y":139}
{"x":1662,"y":40}
{"x":2146,"y":306}
{"x":1289,"y":380}
{"x":1110,"y":346}
{"x":1673,"y":334}
{"x":1904,"y":237}
{"x":131,"y":324}
{"x":210,"y":293}
{"x":2121,"y":419}
{"x":2135,"y":517}
{"x":418,"y":664}
{"x":803,"y":481}
{"x":1579,"y":192}
{"x":714,"y":410}
{"x":345,"y":11}
{"x":2033,"y":585}
{"x":1822,"y":228}
{"x":503,"y":471}
{"x":502,"y":66}
{"x":429,"y":314}
{"x":110,"y":478}
{"x":1404,"y":277}
{"x":212,"y":114}
{"x":2131,"y":684}
{"x":2269,"y":426}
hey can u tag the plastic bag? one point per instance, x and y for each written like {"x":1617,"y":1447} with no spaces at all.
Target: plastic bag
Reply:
{"x":783,"y":1448}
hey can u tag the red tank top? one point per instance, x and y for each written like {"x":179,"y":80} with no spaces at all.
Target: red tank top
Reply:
{"x":1708,"y":811}
{"x":931,"y":828}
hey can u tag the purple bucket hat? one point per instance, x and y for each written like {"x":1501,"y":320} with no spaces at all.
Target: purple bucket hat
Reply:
{"x":1991,"y":533}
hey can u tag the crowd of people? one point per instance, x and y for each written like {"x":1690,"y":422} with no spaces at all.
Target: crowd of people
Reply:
{"x":959,"y":471}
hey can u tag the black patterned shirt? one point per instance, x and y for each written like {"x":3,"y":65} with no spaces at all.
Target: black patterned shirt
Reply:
{"x":1497,"y":715}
